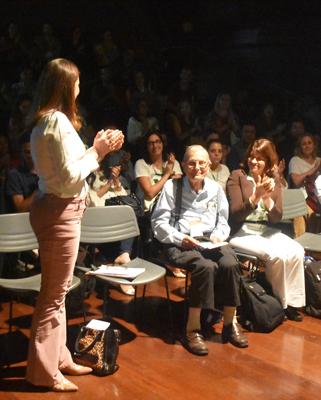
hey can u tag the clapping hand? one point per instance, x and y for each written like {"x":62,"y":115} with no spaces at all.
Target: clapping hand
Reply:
{"x":115,"y":171}
{"x":114,"y":138}
{"x":278,"y":172}
{"x":170,"y":164}
{"x":107,"y":141}
{"x":264,"y":186}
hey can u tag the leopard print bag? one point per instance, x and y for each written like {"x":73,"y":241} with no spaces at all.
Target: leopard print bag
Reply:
{"x":98,"y":349}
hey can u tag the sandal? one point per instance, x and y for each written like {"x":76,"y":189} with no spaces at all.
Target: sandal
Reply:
{"x":127,"y":289}
{"x":177,"y":272}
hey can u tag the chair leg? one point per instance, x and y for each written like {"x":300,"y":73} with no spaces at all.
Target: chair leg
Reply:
{"x":170,"y":312}
{"x":143,"y":303}
{"x":105,"y":297}
{"x":186,"y":302}
{"x":10,"y":314}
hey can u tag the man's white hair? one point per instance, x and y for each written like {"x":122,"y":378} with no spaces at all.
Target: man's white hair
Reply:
{"x":195,"y":148}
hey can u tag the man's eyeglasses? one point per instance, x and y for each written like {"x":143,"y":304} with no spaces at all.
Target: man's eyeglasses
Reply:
{"x":194,"y":164}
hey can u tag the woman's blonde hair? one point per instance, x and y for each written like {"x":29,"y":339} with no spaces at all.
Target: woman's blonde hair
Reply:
{"x":298,"y":150}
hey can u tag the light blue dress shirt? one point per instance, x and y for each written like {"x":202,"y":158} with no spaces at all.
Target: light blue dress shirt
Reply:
{"x":208,"y":209}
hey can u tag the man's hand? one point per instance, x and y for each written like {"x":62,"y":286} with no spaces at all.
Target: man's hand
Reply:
{"x":215,"y":240}
{"x":189,"y":243}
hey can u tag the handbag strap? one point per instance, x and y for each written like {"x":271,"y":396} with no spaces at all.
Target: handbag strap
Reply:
{"x":91,"y":345}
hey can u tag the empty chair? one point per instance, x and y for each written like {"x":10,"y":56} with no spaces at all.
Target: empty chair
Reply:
{"x":16,"y":235}
{"x":294,"y":205}
{"x":114,"y":223}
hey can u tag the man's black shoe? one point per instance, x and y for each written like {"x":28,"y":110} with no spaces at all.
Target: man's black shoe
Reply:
{"x":293,"y":314}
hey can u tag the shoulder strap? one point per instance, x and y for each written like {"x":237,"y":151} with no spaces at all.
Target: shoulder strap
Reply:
{"x":178,"y":202}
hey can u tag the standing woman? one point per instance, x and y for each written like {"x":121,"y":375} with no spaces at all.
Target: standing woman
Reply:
{"x":62,"y":163}
{"x":255,"y":198}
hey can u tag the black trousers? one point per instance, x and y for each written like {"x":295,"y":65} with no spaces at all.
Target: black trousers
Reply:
{"x":215,"y":275}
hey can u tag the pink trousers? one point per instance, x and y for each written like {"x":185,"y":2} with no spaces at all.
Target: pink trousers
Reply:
{"x":56,"y":223}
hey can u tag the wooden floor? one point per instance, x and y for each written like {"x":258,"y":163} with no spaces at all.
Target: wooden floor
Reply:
{"x":284,"y":364}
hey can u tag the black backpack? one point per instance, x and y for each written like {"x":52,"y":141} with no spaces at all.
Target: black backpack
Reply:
{"x":259,"y":311}
{"x":312,"y":274}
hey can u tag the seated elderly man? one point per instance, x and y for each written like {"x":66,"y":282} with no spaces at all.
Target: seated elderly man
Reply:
{"x":215,"y":273}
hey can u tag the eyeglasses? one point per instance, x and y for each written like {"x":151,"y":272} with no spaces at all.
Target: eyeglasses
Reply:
{"x":194,"y":164}
{"x":158,"y":141}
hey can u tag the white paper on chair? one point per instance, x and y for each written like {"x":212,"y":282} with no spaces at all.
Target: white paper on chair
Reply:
{"x":210,"y":245}
{"x":97,"y":324}
{"x":117,"y":271}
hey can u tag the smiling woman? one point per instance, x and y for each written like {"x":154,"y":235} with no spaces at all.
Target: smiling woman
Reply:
{"x":154,"y":169}
{"x":255,"y":198}
{"x":303,"y":170}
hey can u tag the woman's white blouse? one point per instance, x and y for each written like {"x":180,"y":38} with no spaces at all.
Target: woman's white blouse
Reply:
{"x":60,"y":157}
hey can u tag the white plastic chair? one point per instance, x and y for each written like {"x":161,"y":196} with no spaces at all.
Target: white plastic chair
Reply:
{"x":16,"y":235}
{"x":114,"y":223}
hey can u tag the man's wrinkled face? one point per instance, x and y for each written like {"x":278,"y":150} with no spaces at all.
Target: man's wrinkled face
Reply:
{"x":196,"y":165}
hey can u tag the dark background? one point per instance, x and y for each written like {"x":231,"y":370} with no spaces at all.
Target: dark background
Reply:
{"x":232,"y":42}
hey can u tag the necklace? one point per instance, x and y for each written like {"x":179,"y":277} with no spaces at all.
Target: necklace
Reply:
{"x":215,"y":173}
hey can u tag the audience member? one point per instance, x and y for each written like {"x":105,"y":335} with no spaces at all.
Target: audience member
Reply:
{"x":21,"y":190}
{"x":4,"y":167}
{"x":184,"y":89}
{"x":22,"y":182}
{"x":106,"y":102}
{"x":217,"y":171}
{"x":215,"y":273}
{"x":121,"y":158}
{"x":18,"y":123}
{"x":286,"y":147}
{"x":317,"y":184}
{"x":101,"y":188}
{"x":47,"y":44}
{"x":4,"y":153}
{"x":267,"y":124}
{"x":24,"y":86}
{"x":236,"y":156}
{"x":181,"y":127}
{"x":154,"y":169}
{"x":139,"y":124}
{"x":223,"y":120}
{"x":152,"y":172}
{"x":303,"y":170}
{"x":255,"y":197}
{"x":139,"y":88}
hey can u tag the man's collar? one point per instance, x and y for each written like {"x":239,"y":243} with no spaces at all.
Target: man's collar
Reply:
{"x":187,"y":184}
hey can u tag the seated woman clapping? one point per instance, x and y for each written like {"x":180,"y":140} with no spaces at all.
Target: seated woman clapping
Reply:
{"x":153,"y":171}
{"x":255,"y":197}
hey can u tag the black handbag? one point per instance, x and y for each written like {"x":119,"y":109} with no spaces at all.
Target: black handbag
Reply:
{"x":127,"y":200}
{"x":312,"y":274}
{"x":98,"y":349}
